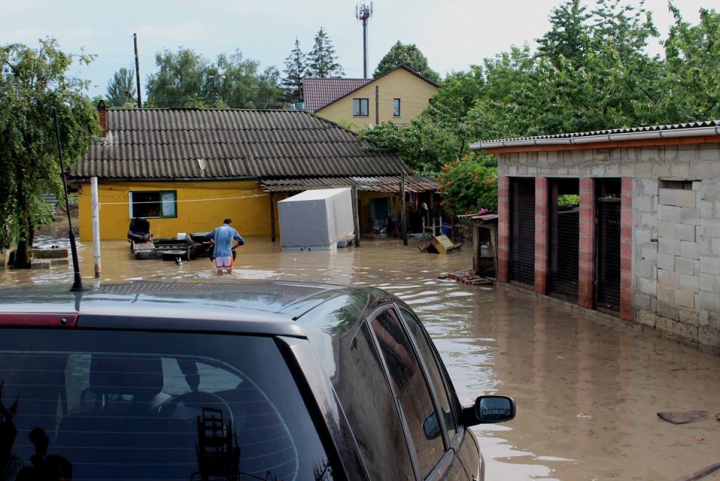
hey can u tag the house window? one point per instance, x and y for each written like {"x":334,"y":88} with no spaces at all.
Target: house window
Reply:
{"x":154,"y":204}
{"x":361,"y":107}
{"x":396,"y":108}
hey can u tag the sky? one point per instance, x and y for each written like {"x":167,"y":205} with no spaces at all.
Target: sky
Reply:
{"x":453,"y":34}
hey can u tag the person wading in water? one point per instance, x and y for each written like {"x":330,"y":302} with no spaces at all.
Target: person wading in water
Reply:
{"x":222,"y":239}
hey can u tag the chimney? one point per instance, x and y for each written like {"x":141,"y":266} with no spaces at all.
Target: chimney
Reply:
{"x":102,"y":113}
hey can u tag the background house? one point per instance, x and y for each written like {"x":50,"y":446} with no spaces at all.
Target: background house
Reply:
{"x":642,"y":240}
{"x":397,"y":96}
{"x":187,"y":169}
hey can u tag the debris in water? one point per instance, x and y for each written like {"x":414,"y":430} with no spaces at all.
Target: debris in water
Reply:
{"x":584,"y":416}
{"x":683,"y":417}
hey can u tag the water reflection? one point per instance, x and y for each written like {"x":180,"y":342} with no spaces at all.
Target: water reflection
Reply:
{"x":587,"y":394}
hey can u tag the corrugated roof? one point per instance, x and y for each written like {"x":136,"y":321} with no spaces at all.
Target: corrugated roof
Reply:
{"x":493,"y":143}
{"x":148,"y":144}
{"x":319,"y":92}
{"x":413,"y":183}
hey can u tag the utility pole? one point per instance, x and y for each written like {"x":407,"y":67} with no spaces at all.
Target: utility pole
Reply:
{"x":137,"y":73}
{"x":363,"y":13}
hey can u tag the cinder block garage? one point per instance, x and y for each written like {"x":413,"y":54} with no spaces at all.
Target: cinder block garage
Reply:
{"x":625,"y":221}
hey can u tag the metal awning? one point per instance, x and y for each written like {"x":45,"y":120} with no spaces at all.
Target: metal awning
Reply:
{"x":390,"y":184}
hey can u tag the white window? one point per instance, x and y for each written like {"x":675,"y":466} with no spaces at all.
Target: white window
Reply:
{"x":396,"y":108}
{"x":361,"y":107}
{"x":153,"y":204}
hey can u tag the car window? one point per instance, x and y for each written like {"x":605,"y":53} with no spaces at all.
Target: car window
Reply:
{"x":410,"y":387}
{"x":435,"y":372}
{"x":370,"y":408}
{"x":137,"y":406}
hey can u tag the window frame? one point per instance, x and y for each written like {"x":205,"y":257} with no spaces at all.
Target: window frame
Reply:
{"x":448,"y":453}
{"x":397,"y":107}
{"x":444,"y":377}
{"x":358,"y":107}
{"x":160,"y":193}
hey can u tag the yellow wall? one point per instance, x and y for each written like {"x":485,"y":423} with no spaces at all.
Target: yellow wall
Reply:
{"x":413,"y":92}
{"x":201,"y":206}
{"x":364,"y":199}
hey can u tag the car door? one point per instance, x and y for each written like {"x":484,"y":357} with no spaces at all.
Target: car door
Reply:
{"x":463,"y":452}
{"x":427,"y":433}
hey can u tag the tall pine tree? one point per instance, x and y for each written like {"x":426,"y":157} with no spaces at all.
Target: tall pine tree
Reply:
{"x":322,"y":61}
{"x":296,"y":70}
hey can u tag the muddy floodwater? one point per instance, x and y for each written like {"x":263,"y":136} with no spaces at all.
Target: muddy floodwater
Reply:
{"x":587,"y":393}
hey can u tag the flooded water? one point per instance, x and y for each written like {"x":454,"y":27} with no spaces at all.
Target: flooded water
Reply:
{"x":587,"y":394}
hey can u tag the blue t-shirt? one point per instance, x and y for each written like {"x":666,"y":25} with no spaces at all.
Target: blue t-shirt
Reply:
{"x":223,"y":237}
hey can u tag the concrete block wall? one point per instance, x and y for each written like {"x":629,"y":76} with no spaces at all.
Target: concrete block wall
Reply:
{"x":670,"y":238}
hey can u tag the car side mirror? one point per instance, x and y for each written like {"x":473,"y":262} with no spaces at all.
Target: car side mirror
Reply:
{"x":489,"y":409}
{"x":431,"y":428}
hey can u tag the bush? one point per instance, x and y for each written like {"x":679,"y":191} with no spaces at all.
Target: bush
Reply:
{"x":469,"y":184}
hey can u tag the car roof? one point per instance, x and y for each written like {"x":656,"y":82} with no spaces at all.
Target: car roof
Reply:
{"x":261,"y":307}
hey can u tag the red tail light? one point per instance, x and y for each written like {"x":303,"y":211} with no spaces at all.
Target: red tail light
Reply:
{"x":38,"y":319}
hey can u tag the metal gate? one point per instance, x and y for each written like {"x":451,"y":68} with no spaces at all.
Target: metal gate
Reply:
{"x":563,"y":239}
{"x":522,"y":231}
{"x":608,"y":253}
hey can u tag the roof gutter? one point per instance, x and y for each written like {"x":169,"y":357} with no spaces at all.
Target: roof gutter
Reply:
{"x":592,"y":139}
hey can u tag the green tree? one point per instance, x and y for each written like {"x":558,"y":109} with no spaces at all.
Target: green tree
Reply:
{"x":408,"y":55}
{"x":569,"y":37}
{"x":469,"y":184}
{"x":692,"y":68}
{"x":424,"y":146}
{"x":295,"y":71}
{"x":236,"y":82}
{"x":121,"y":88}
{"x":187,"y":79}
{"x":322,"y":61}
{"x":32,"y":83}
{"x":179,"y":81}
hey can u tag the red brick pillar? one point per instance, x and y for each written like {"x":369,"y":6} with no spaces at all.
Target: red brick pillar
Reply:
{"x":586,"y":281}
{"x":626,"y":220}
{"x":503,"y":254}
{"x":541,"y":234}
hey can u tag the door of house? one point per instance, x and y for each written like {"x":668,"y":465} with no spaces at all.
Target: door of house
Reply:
{"x":522,"y":231}
{"x":564,"y":238}
{"x":607,"y":284}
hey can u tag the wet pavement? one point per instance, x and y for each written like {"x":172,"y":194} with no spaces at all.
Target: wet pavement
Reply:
{"x":587,"y":393}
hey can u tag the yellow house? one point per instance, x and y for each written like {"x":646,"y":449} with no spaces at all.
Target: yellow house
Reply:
{"x":397,"y":96}
{"x":187,"y":169}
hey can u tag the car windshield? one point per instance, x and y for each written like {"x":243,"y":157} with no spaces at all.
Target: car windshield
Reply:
{"x":100,"y":405}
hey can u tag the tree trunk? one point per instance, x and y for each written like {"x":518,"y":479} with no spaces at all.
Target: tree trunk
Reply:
{"x":22,"y":252}
{"x":22,"y":255}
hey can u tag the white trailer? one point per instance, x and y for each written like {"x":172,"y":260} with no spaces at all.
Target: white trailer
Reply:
{"x":316,"y":220}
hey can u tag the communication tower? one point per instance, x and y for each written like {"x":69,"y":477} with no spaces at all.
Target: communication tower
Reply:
{"x":363,"y":12}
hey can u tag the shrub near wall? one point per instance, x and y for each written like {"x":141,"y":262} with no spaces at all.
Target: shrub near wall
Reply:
{"x":469,"y":184}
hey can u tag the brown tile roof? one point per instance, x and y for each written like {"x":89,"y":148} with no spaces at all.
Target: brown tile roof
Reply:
{"x":413,"y":183}
{"x":145,"y":144}
{"x":320,"y":92}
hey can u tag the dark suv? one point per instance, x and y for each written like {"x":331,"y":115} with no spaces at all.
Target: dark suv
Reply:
{"x":228,"y":381}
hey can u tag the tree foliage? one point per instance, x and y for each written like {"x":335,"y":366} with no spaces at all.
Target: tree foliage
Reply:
{"x":295,"y":71}
{"x":322,"y":60}
{"x":691,"y":88}
{"x":591,"y":71}
{"x":408,"y":55}
{"x":187,"y":79}
{"x":32,"y":83}
{"x":469,"y":184}
{"x":121,"y":88}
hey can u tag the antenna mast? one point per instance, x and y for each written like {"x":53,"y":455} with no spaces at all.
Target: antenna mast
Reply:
{"x":363,"y":13}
